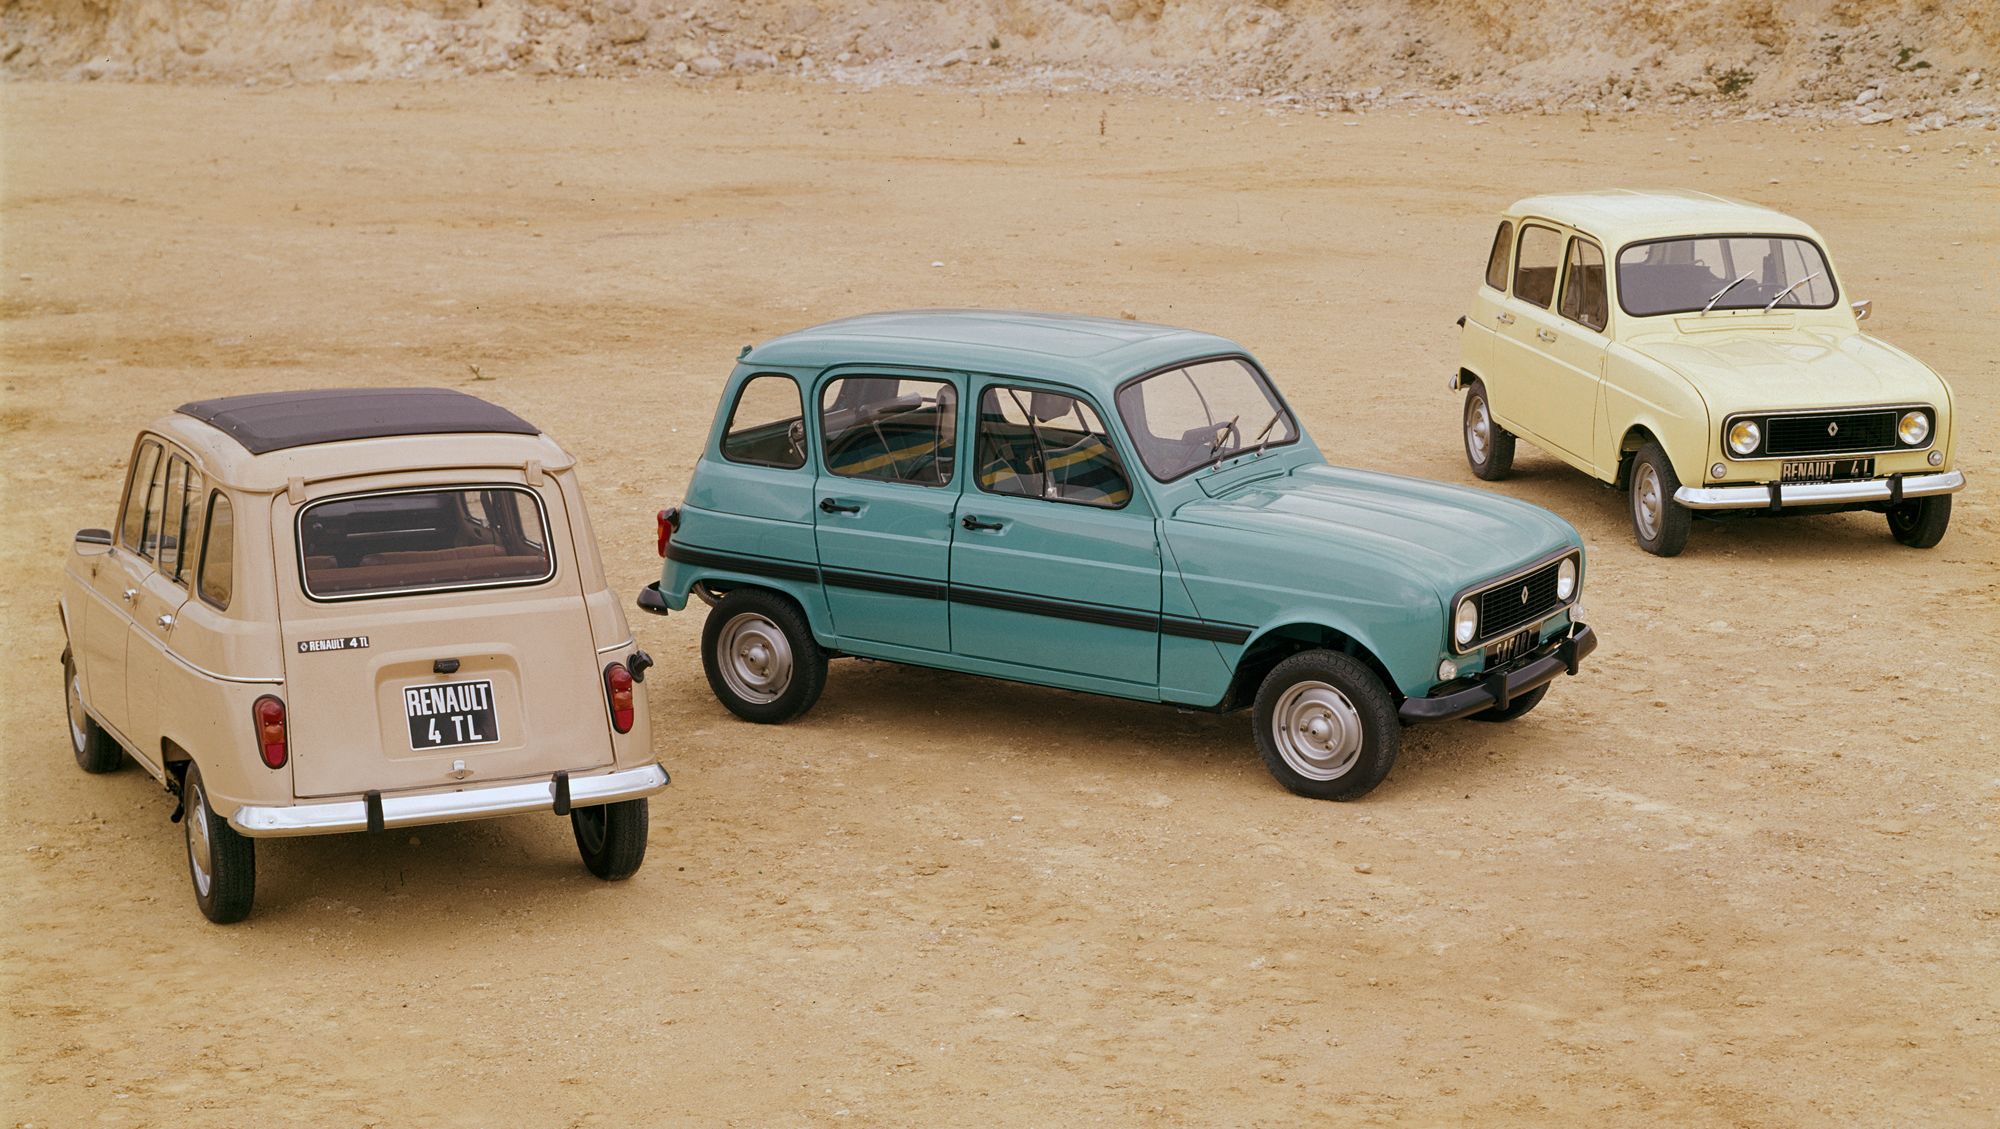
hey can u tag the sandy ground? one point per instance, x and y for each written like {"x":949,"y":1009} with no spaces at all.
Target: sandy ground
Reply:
{"x":1741,"y":871}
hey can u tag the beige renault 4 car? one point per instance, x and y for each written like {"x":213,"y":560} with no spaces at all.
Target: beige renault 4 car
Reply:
{"x":351,"y":610}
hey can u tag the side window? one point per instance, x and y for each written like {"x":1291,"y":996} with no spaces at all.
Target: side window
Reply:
{"x":1047,"y":445}
{"x":893,"y":429}
{"x":132,"y":524}
{"x":1496,"y":259}
{"x":767,"y":425}
{"x":218,"y":552}
{"x":174,"y":516}
{"x":156,"y":496}
{"x":1584,"y":300}
{"x":1535,"y":265}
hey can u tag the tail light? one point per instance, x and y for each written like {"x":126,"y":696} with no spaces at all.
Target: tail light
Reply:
{"x":670,"y":520}
{"x":618,"y":688}
{"x":269,"y":713}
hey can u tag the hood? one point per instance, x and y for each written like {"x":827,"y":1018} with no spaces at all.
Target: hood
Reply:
{"x":1451,"y":535}
{"x":1749,"y":369}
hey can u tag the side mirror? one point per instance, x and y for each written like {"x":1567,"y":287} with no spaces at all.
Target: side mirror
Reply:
{"x":1862,"y":309}
{"x":93,"y":537}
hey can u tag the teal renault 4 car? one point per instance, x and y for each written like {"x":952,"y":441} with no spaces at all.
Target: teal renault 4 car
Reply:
{"x":1106,"y":506}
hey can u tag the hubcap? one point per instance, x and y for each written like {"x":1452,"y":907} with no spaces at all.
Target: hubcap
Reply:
{"x":78,"y":719}
{"x":197,"y":837}
{"x":1478,"y":428}
{"x":1317,"y":730}
{"x":1646,"y":501}
{"x":755,"y":658}
{"x":590,"y":828}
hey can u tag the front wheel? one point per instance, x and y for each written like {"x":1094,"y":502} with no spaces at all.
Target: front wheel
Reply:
{"x":1325,"y":725}
{"x":95,"y":750}
{"x":1920,"y":523}
{"x":1489,"y":448}
{"x":760,"y":656}
{"x":611,"y":837}
{"x":1659,"y":523}
{"x":222,"y":862}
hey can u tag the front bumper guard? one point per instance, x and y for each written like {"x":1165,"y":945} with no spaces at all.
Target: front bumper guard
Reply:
{"x":1776,"y":495}
{"x":1501,"y":687}
{"x":377,"y":812}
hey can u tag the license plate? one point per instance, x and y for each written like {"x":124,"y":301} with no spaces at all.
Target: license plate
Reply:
{"x":1825,"y":470}
{"x":444,"y":714}
{"x":1510,"y":648}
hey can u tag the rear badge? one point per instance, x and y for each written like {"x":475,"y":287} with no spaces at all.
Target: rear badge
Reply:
{"x":344,"y":643}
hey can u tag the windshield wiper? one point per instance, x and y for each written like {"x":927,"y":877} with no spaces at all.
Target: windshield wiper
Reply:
{"x":1792,"y":287}
{"x":1262,"y":441}
{"x":1717,"y":296}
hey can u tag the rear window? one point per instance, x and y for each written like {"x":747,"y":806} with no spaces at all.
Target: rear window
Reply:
{"x":406,"y":541}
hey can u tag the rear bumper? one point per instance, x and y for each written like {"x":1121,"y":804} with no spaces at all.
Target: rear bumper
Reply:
{"x":1502,"y":687}
{"x":1773,"y":495}
{"x":448,"y":807}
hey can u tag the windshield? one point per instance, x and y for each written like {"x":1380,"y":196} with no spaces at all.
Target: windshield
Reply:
{"x":1186,"y":418}
{"x":1723,"y":272}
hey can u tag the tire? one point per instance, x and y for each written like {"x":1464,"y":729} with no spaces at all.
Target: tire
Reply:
{"x":1521,"y":704}
{"x":222,"y":863}
{"x":1659,"y":523}
{"x":95,"y":750}
{"x":1489,"y":448}
{"x":1921,"y":522}
{"x":611,"y":837}
{"x":761,"y":658}
{"x":1361,"y":737}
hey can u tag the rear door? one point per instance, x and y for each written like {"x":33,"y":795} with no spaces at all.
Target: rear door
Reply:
{"x":435,"y":635}
{"x":1522,"y":392}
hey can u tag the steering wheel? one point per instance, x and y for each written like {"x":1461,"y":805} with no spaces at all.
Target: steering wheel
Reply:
{"x":1222,"y":432}
{"x":795,"y":438}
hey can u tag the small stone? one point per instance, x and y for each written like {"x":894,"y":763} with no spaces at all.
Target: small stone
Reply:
{"x":415,"y":841}
{"x":1867,"y":96}
{"x":1127,"y":315}
{"x":753,"y":60}
{"x":1364,"y":868}
{"x":953,"y":59}
{"x":1015,"y":818}
{"x":939,"y":263}
{"x":1877,"y":118}
{"x":1902,"y":148}
{"x":706,"y":66}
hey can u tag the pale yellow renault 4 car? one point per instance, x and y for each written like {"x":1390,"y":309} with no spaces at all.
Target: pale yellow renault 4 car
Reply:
{"x":1701,"y":353}
{"x":351,"y":610}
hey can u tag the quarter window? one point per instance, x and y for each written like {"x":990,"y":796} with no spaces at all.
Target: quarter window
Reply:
{"x":218,"y":552}
{"x":892,"y":429}
{"x":423,"y":540}
{"x":1535,"y":265}
{"x":1583,"y":299}
{"x":132,"y":524}
{"x":156,"y":495}
{"x":1047,"y":445}
{"x":767,"y":425}
{"x":1496,"y":259}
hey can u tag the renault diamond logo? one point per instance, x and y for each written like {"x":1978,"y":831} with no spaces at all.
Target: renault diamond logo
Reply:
{"x":1524,"y":596}
{"x":1833,"y":428}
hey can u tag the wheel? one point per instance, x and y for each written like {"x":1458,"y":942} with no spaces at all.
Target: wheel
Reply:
{"x":761,"y":658}
{"x":222,"y":862}
{"x":1489,"y":448}
{"x":1521,"y":704}
{"x":1325,"y":726}
{"x":1658,"y":522}
{"x":94,"y":748}
{"x":1920,"y":523}
{"x":611,"y":837}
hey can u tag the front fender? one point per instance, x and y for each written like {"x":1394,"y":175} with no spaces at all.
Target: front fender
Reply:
{"x":1640,"y":393}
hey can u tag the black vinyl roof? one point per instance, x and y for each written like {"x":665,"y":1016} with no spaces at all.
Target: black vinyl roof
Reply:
{"x":274,"y":421}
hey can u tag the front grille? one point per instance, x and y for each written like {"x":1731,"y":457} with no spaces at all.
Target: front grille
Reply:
{"x":1524,"y":599}
{"x":1832,"y":433}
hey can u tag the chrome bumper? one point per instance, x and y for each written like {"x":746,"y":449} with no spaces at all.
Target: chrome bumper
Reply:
{"x":448,"y":807}
{"x":1774,"y":495}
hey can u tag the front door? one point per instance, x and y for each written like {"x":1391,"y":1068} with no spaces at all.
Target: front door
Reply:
{"x":114,"y":586}
{"x":884,"y":506}
{"x":1523,"y":393}
{"x":1575,"y":343}
{"x":150,"y":669}
{"x":1055,"y":565}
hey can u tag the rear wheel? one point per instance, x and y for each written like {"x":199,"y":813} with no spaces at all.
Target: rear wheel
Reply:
{"x":760,"y":656}
{"x":94,"y":748}
{"x":1659,"y":523}
{"x":611,"y":837}
{"x":1489,"y":448}
{"x":222,"y":862}
{"x":1325,"y":726}
{"x":1920,"y":523}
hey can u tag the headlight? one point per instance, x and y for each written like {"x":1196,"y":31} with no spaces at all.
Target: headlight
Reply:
{"x":1566,"y":578}
{"x":1465,"y":626}
{"x":1744,"y":435}
{"x":1913,"y":428}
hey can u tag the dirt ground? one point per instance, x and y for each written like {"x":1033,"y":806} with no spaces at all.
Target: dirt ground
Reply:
{"x":1742,"y":870}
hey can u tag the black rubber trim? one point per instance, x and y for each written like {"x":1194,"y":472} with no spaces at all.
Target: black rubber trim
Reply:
{"x":561,"y":784}
{"x":892,"y":585}
{"x":1498,"y":689}
{"x":373,"y":801}
{"x":1895,"y":489}
{"x":650,"y":599}
{"x":1211,"y":630}
{"x":1058,"y":609}
{"x":754,"y":566}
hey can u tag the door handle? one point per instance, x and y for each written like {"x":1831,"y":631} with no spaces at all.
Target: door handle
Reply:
{"x":1504,"y":318}
{"x":1545,"y":335}
{"x":165,"y":621}
{"x":972,"y":522}
{"x":131,"y":594}
{"x":830,"y":506}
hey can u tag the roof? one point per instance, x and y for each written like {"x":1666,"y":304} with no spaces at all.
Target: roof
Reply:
{"x":277,"y":421}
{"x":1618,"y":216}
{"x":1095,"y":354}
